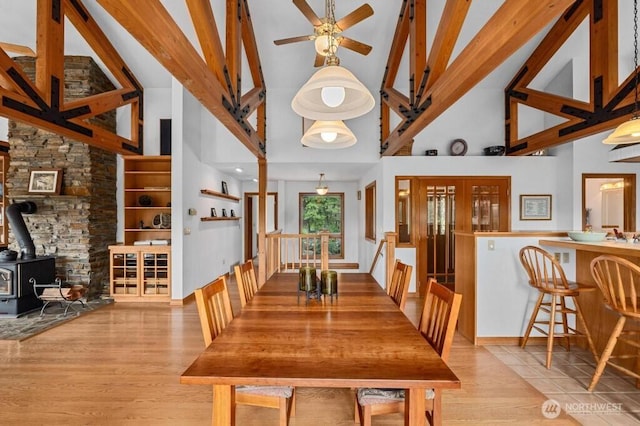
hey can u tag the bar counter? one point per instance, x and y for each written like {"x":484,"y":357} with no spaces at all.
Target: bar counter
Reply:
{"x":599,"y":319}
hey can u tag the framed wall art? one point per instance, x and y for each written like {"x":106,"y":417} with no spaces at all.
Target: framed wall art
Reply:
{"x":45,"y":181}
{"x":535,"y":207}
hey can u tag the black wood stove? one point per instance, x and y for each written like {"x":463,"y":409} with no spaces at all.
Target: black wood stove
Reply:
{"x":16,"y":294}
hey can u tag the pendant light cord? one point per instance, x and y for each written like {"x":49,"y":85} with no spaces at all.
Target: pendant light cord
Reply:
{"x":635,"y":56}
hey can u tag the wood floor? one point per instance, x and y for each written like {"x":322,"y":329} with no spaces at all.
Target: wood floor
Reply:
{"x":121,"y":365}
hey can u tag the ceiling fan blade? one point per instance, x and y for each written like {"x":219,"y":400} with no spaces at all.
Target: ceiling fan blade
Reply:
{"x":308,"y":12}
{"x":363,"y":12}
{"x":17,"y":48}
{"x":354,"y":45}
{"x":293,"y":39}
{"x":319,"y":60}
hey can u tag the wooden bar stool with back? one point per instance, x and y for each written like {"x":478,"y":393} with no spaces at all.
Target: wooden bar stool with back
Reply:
{"x":619,"y":282}
{"x":547,"y":276}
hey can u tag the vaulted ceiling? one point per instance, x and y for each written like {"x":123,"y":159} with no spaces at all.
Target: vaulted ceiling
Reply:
{"x":494,"y":53}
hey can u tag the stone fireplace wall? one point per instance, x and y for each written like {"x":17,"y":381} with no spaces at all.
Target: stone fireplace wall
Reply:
{"x":77,"y":226}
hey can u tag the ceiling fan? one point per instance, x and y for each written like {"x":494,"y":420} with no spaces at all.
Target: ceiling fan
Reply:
{"x":17,"y":48}
{"x":327,"y":32}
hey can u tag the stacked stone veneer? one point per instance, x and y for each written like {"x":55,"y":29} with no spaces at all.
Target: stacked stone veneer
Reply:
{"x":77,"y":226}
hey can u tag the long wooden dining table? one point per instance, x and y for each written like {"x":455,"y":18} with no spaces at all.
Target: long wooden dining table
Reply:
{"x":358,"y":339}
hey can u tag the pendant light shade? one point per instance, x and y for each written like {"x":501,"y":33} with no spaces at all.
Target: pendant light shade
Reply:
{"x":328,"y":135}
{"x":629,"y":131}
{"x":322,"y":188}
{"x":337,"y":82}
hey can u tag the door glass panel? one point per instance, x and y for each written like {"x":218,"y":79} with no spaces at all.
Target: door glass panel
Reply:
{"x":485,"y":207}
{"x":440,"y":227}
{"x":403,"y":215}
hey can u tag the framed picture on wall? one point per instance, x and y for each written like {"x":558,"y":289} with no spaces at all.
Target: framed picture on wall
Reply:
{"x":45,"y":181}
{"x":225,"y":190}
{"x":213,"y":212}
{"x":535,"y":207}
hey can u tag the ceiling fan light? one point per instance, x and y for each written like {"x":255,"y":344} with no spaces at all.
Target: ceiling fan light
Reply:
{"x":308,"y":101}
{"x":326,"y":45}
{"x":316,"y":136}
{"x":627,"y":132}
{"x":332,"y":96}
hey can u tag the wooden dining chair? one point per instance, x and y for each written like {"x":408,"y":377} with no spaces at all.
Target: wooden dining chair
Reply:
{"x":247,"y":283}
{"x":437,"y":325}
{"x":619,"y":281}
{"x":399,"y":284}
{"x":547,"y":277}
{"x":214,"y":310}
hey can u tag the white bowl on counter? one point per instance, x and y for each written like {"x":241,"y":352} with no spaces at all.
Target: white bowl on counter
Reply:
{"x":587,"y":236}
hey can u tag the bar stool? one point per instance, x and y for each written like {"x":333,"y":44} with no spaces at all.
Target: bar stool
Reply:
{"x":619,"y":282}
{"x":547,"y":276}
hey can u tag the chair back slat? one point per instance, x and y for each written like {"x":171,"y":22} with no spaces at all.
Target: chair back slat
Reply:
{"x":619,"y":281}
{"x":399,"y":285}
{"x":247,"y":283}
{"x":543,"y":270}
{"x":439,"y":316}
{"x":214,"y":308}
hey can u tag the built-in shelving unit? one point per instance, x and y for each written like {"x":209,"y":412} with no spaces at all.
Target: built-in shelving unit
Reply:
{"x":147,"y":197}
{"x":141,"y":267}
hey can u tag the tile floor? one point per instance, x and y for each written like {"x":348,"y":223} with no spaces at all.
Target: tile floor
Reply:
{"x":615,"y":400}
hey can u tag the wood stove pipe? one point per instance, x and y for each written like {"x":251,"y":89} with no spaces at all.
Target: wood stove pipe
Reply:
{"x":20,"y":231}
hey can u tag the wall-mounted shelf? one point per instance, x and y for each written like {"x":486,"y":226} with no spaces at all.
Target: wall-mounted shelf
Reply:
{"x":219,"y":195}
{"x":211,"y":219}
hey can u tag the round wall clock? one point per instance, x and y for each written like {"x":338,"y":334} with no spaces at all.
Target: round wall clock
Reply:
{"x":458,"y":147}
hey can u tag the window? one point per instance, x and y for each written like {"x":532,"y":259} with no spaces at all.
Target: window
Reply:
{"x":370,"y":211}
{"x":324,"y":213}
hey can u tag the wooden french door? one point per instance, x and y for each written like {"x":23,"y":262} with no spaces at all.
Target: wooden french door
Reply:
{"x":447,"y":205}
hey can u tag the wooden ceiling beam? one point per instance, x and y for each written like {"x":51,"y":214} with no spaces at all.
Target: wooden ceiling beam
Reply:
{"x":251,"y":47}
{"x":555,"y":38}
{"x":50,"y":51}
{"x":100,"y":103}
{"x":41,"y":103}
{"x":397,"y":46}
{"x":397,"y":101}
{"x":75,"y":129}
{"x":234,"y":47}
{"x":417,"y":48}
{"x":204,"y":23}
{"x":603,"y":57}
{"x":99,"y":42}
{"x":551,"y":103}
{"x":453,"y":16}
{"x":513,"y":24}
{"x":150,"y":23}
{"x":609,"y":103}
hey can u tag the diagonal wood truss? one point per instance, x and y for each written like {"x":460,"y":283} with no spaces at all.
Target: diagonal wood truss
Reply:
{"x":41,"y":103}
{"x":434,"y":86}
{"x":215,"y":80}
{"x":609,"y":103}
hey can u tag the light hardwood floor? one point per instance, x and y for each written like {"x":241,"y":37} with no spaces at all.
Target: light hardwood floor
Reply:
{"x":121,"y":365}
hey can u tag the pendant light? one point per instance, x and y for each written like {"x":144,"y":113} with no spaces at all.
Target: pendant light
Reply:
{"x":629,"y":131}
{"x":328,"y":135}
{"x":322,"y":189}
{"x":332,"y":93}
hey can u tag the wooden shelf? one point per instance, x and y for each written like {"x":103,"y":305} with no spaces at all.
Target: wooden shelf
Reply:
{"x":212,"y":219}
{"x":219,"y":195}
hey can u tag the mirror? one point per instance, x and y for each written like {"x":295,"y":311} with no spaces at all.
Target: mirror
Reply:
{"x":608,"y":202}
